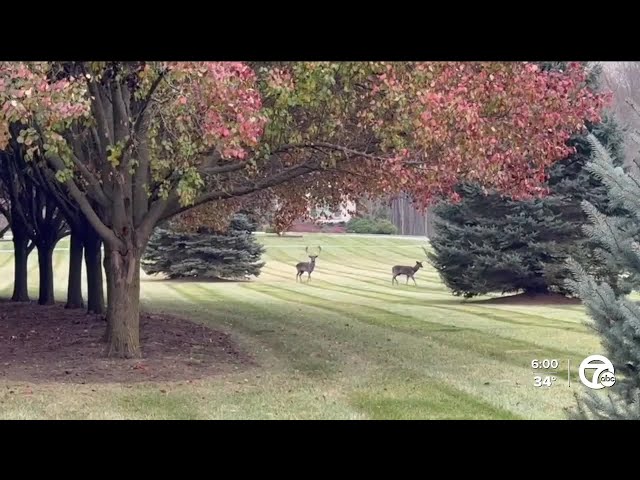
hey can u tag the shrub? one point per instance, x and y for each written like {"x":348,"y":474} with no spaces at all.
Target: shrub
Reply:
{"x":366,"y":225}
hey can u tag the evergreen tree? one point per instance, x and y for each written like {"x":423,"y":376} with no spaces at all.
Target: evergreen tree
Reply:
{"x":205,"y":254}
{"x":488,"y":243}
{"x":615,"y":316}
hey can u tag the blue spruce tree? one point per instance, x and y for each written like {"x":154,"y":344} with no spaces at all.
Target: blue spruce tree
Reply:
{"x":614,"y":315}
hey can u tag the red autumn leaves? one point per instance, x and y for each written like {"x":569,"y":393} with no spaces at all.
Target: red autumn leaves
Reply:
{"x":435,"y":123}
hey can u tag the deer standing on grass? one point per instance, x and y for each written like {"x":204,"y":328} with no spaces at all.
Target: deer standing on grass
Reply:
{"x":307,"y":267}
{"x":405,"y":270}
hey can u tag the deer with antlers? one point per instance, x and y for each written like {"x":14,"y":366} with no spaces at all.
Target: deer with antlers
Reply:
{"x":307,"y":267}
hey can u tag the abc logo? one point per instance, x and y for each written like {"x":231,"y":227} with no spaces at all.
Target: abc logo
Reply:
{"x":602,"y":375}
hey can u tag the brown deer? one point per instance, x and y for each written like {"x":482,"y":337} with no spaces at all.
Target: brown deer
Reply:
{"x":405,"y":270}
{"x":307,"y":267}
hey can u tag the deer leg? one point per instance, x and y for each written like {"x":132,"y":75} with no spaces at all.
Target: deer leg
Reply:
{"x":407,"y":280}
{"x":414,"y":281}
{"x":393,"y":280}
{"x":308,"y":276}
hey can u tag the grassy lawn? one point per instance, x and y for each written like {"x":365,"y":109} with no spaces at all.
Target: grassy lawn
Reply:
{"x":347,"y":345}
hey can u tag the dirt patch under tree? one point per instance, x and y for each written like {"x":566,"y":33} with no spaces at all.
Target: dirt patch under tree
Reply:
{"x":53,"y":344}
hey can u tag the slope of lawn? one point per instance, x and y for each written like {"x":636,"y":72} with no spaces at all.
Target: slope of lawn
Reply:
{"x":346,"y":345}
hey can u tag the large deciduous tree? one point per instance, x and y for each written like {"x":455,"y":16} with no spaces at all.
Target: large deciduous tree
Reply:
{"x":84,"y":242}
{"x":147,"y":138}
{"x":35,"y":218}
{"x":22,"y":247}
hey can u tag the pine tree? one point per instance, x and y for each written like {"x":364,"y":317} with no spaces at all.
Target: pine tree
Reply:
{"x":488,"y":243}
{"x":205,"y":254}
{"x":615,"y":316}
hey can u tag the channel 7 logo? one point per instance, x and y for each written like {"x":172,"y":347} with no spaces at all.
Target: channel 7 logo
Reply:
{"x":603,"y":374}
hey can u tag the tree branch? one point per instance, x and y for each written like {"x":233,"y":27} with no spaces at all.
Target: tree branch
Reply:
{"x":122,"y":184}
{"x":5,"y":213}
{"x":120,"y":117}
{"x":154,"y":215}
{"x":17,"y":199}
{"x":96,"y":139}
{"x":62,"y":200}
{"x":119,"y":209}
{"x":140,"y":125}
{"x":36,"y":215}
{"x":99,"y":194}
{"x":141,"y":176}
{"x":42,"y":205}
{"x":105,"y":133}
{"x":230,"y":167}
{"x":105,"y":232}
{"x":173,"y":208}
{"x":145,"y":103}
{"x":349,"y":152}
{"x":164,"y":209}
{"x":105,"y":168}
{"x":60,"y":226}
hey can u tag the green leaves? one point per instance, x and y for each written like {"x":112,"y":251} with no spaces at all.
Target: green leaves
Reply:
{"x":189,"y":185}
{"x":64,"y":175}
{"x":114,"y":154}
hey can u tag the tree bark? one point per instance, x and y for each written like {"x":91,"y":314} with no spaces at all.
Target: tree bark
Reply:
{"x":109,"y":277}
{"x":45,"y":267}
{"x":20,"y":259}
{"x":123,"y":305}
{"x":93,"y":264}
{"x":74,"y":287}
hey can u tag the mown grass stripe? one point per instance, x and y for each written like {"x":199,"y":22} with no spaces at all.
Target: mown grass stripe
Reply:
{"x":486,"y":344}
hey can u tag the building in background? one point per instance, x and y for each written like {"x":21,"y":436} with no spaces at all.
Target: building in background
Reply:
{"x":325,"y":215}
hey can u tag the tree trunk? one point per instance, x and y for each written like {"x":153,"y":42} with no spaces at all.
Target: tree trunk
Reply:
{"x":107,"y":271}
{"x":45,"y":267}
{"x":74,"y":287}
{"x":93,"y":263}
{"x":123,"y":304}
{"x":20,"y":258}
